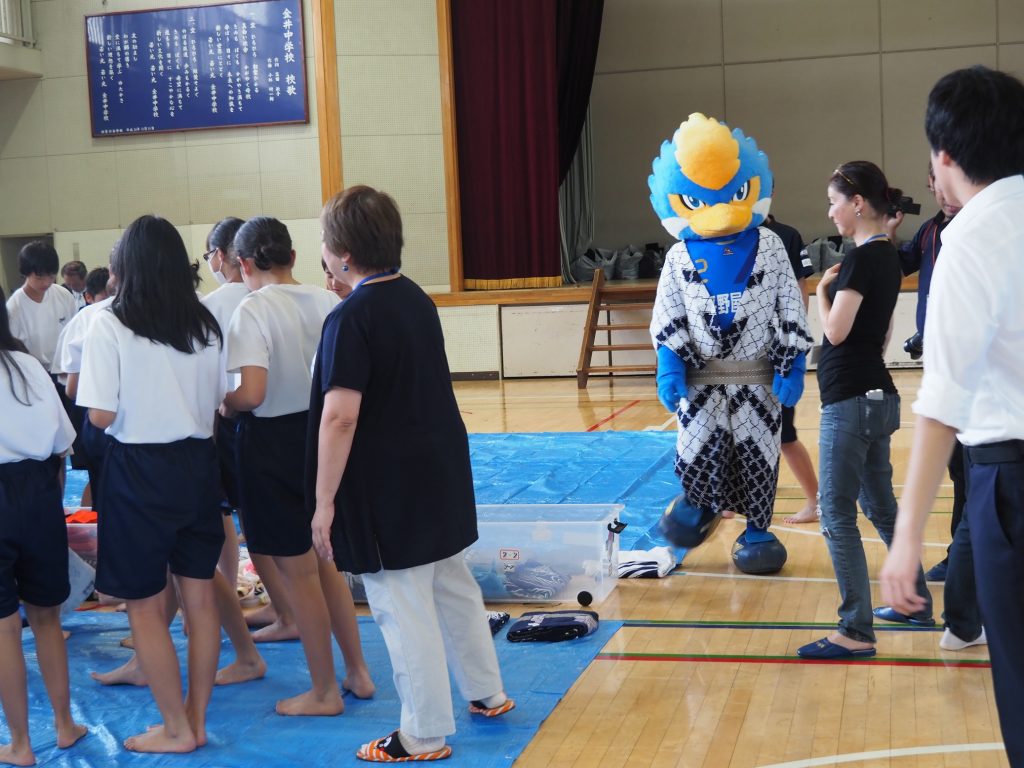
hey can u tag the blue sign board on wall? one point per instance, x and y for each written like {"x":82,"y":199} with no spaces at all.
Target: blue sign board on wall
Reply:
{"x":212,"y":66}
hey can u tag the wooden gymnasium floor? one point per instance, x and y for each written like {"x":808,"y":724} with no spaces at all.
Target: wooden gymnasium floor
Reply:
{"x":682,"y":691}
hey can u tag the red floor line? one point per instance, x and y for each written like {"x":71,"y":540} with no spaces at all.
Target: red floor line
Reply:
{"x":606,"y":419}
{"x":794,"y":660}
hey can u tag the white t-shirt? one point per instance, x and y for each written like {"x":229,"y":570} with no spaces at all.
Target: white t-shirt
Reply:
{"x":222,"y":303}
{"x":278,"y":328}
{"x":38,"y":324}
{"x":160,"y":395}
{"x":34,"y":431}
{"x":68,"y":356}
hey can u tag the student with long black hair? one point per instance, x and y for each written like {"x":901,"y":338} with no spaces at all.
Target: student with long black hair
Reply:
{"x":271,"y":342}
{"x":152,"y":378}
{"x":34,"y":432}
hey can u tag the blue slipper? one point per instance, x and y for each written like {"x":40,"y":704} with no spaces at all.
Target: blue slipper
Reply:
{"x":887,"y":613}
{"x":826,"y":649}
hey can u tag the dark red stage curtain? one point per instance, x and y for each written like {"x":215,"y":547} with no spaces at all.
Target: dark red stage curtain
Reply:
{"x":506,"y":112}
{"x":578,"y":31}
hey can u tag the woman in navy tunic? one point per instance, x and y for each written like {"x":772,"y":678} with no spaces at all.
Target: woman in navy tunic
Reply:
{"x":394,"y":497}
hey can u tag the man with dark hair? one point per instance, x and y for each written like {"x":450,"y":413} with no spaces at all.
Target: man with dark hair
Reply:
{"x":973,"y":368}
{"x":919,"y":255}
{"x":74,"y":274}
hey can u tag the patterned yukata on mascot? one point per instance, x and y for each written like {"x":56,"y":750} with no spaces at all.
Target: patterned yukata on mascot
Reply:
{"x":729,"y":327}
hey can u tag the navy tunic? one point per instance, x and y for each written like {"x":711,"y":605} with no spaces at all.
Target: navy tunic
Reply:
{"x":406,"y":498}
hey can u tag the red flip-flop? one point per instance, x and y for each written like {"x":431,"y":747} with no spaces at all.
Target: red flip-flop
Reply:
{"x":478,"y":708}
{"x":390,"y":750}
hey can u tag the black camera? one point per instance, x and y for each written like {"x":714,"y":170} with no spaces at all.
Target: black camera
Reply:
{"x":907,"y":205}
{"x":914,"y":346}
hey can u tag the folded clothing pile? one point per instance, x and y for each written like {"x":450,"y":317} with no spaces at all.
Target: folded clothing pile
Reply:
{"x":552,"y":626}
{"x":647,"y":563}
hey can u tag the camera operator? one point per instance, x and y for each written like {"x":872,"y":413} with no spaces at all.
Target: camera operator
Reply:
{"x":921,"y":254}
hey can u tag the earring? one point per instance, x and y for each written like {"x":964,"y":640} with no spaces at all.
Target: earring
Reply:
{"x":344,"y":267}
{"x":858,"y":214}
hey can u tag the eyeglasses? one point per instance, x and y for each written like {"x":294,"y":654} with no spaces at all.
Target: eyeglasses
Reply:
{"x":209,"y":253}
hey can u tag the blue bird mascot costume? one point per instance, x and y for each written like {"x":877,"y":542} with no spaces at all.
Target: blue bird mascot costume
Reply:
{"x":729,"y":328}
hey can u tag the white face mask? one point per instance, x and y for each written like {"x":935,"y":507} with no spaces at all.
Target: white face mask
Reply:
{"x":218,"y":276}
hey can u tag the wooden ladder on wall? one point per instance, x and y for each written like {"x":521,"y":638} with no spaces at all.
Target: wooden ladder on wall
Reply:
{"x":609,"y":298}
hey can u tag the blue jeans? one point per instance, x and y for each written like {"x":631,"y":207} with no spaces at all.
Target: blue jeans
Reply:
{"x":854,"y":465}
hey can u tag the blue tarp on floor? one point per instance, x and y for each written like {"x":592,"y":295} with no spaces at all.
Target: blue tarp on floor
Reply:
{"x":630,"y":468}
{"x":243,"y":728}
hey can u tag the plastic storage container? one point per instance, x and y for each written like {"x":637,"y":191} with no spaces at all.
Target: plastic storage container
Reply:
{"x":82,"y":541}
{"x":542,"y":552}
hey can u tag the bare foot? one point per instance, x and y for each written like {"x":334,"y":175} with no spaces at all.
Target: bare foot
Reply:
{"x":128,"y":642}
{"x":360,"y":684}
{"x":727,"y":514}
{"x":837,"y":638}
{"x":808,"y":514}
{"x":158,"y":740}
{"x":237,"y":672}
{"x":198,"y":730}
{"x":129,"y":673}
{"x":69,"y":735}
{"x":308,"y":704}
{"x":11,"y":756}
{"x":262,"y":616}
{"x":276,"y":632}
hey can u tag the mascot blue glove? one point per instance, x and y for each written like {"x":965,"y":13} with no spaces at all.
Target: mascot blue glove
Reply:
{"x":789,"y":388}
{"x":671,"y":379}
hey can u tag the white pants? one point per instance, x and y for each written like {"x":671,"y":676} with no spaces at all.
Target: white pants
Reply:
{"x":427,"y":614}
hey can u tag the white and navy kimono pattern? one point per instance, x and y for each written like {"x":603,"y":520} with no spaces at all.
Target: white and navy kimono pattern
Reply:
{"x":727,"y":450}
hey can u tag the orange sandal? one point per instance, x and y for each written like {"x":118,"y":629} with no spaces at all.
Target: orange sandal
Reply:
{"x":390,"y":750}
{"x":478,"y":708}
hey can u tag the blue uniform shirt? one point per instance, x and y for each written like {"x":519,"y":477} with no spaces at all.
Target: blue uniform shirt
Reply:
{"x":920,"y":254}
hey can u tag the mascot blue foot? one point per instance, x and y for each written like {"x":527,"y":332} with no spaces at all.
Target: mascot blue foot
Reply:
{"x":685,"y":525}
{"x":758,"y":552}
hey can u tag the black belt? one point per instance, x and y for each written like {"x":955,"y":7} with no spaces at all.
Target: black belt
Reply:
{"x":1006,"y":452}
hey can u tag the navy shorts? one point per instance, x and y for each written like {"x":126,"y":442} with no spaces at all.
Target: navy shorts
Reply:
{"x":227,"y":458}
{"x":75,"y":414}
{"x":788,"y":429}
{"x":271,"y":467}
{"x":33,"y":536}
{"x":161,"y":507}
{"x":94,"y":446}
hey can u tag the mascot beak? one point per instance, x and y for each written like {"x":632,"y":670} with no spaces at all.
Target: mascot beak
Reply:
{"x":722,"y":219}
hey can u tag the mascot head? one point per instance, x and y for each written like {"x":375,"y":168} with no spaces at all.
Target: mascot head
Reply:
{"x":708,"y":182}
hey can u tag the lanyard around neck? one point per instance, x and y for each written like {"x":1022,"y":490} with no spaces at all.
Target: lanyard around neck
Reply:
{"x":387,"y":273}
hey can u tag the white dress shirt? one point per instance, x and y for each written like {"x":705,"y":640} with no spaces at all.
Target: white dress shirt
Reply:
{"x":974,"y":332}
